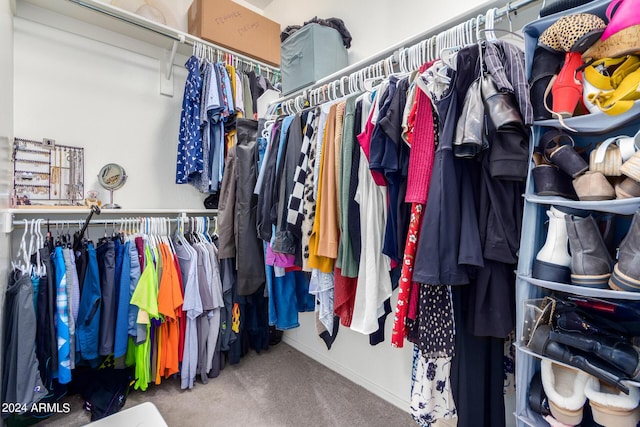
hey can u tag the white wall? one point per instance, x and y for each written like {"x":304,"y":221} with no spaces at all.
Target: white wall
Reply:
{"x":6,"y":132}
{"x":91,"y":94}
{"x":6,"y":100}
{"x":374,"y":25}
{"x":381,"y":369}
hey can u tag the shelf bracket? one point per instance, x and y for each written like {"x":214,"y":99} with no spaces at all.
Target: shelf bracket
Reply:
{"x":6,"y":224}
{"x":166,"y":68}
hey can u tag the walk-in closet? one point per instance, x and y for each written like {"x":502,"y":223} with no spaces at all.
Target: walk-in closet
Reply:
{"x":284,"y":213}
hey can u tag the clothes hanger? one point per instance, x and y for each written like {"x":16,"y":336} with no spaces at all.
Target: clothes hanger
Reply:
{"x":168,"y":235}
{"x":411,"y":58}
{"x":196,"y":229}
{"x":489,"y":23}
{"x":202,"y":222}
{"x":479,"y":19}
{"x":32,"y":237}
{"x":402,"y":60}
{"x":179,"y":234}
{"x":39,"y":269}
{"x":300,"y":102}
{"x":20,"y":263}
{"x":343,"y":88}
{"x":376,"y":75}
{"x":334,"y":91}
{"x":352,"y":83}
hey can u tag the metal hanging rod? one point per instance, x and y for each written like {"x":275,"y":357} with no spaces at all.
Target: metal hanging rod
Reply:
{"x":166,"y":31}
{"x":74,"y":222}
{"x":337,"y":79}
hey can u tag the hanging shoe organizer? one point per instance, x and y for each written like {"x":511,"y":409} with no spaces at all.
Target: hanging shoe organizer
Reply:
{"x":586,"y":131}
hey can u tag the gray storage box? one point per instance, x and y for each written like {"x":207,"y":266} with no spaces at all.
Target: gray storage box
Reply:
{"x":311,"y":53}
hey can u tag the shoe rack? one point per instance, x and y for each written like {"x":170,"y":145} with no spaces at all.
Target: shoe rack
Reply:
{"x":591,"y":129}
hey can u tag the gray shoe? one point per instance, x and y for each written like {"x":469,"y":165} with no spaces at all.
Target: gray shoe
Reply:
{"x":591,"y":263}
{"x":626,"y":273}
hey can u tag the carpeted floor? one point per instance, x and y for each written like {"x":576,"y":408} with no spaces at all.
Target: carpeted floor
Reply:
{"x":278,"y":388}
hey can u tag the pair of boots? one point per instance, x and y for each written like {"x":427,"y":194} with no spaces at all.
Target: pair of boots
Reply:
{"x":590,"y":263}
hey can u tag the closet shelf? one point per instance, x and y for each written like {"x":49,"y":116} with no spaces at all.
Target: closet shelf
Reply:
{"x":581,"y":290}
{"x":526,"y":350}
{"x":129,"y":24}
{"x":619,"y":206}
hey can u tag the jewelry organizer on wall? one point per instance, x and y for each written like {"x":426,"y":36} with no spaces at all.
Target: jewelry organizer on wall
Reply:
{"x":46,"y":173}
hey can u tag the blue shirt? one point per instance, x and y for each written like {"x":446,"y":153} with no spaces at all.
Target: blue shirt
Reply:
{"x":190,"y":135}
{"x":123,"y":282}
{"x":62,"y":319}
{"x":134,"y":276}
{"x":88,"y":326}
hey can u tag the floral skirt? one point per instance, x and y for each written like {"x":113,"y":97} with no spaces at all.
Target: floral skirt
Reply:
{"x":431,"y":396}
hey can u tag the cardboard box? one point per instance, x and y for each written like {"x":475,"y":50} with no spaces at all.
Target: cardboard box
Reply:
{"x":235,"y":27}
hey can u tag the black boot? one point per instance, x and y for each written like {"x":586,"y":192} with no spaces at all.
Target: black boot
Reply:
{"x":618,"y":353}
{"x":542,"y":344}
{"x":576,"y":321}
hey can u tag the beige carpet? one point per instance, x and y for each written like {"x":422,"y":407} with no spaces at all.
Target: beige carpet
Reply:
{"x":280,"y":387}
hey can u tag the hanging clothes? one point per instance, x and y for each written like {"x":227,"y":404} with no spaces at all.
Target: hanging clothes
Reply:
{"x":374,"y":282}
{"x":63,"y":370}
{"x":215,"y":96}
{"x":46,"y":351}
{"x":87,"y":332}
{"x":106,"y":255}
{"x":170,"y":302}
{"x":146,"y":298}
{"x":190,"y":136}
{"x":249,"y":249}
{"x":123,"y":286}
{"x":21,"y":382}
{"x":192,"y":306}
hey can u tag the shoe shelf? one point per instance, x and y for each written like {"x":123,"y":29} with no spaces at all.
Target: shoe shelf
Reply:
{"x":618,"y":206}
{"x":534,"y":421}
{"x":526,"y":350}
{"x":594,"y":124}
{"x":581,"y":290}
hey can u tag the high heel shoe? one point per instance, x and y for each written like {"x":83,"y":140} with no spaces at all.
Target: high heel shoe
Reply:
{"x":566,"y":87}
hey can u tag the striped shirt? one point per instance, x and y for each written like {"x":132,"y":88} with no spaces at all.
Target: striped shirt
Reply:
{"x":505,"y":63}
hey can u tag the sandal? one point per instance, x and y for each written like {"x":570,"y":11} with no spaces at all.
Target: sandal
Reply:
{"x":558,"y":152}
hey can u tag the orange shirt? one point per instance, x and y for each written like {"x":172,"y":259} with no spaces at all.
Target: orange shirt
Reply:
{"x":319,"y":238}
{"x":169,"y":305}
